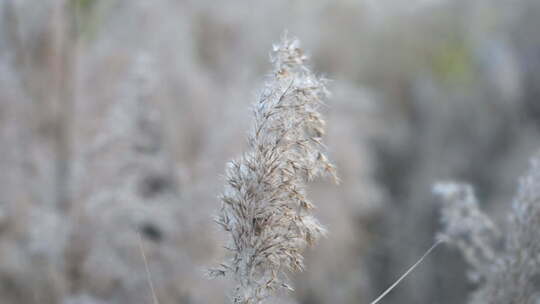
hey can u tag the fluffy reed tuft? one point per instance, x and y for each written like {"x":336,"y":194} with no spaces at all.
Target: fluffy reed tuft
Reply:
{"x":264,"y":205}
{"x":506,"y":263}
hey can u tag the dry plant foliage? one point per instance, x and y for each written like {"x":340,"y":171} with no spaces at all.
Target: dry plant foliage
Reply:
{"x":264,"y":207}
{"x":505,"y":265}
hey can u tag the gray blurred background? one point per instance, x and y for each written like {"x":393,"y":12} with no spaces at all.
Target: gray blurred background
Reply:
{"x":117,"y":118}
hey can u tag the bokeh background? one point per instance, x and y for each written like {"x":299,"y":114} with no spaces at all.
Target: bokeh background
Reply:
{"x":117,"y":118}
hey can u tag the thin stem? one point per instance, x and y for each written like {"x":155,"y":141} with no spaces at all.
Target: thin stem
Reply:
{"x":148,"y":275}
{"x":437,"y":243}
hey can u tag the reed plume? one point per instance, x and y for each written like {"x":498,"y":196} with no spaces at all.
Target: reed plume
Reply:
{"x":505,"y":262}
{"x":264,"y":209}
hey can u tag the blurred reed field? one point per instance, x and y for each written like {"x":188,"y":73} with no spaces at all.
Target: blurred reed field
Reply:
{"x":117,"y":119}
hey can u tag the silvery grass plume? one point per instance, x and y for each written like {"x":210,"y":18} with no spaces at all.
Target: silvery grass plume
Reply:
{"x":467,"y":227}
{"x":507,"y":264}
{"x":264,"y":205}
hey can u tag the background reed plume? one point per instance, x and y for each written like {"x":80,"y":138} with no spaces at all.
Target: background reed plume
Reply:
{"x":264,"y":205}
{"x":504,"y":258}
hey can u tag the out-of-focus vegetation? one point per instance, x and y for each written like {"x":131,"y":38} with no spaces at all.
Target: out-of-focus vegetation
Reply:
{"x":117,"y":117}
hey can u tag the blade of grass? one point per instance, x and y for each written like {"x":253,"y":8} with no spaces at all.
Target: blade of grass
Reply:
{"x":148,"y":275}
{"x":437,"y":243}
